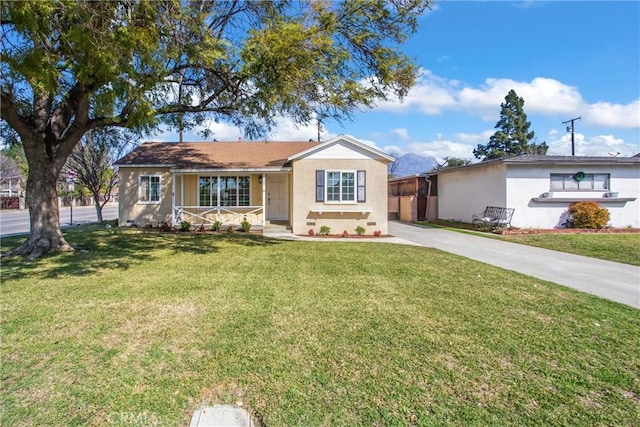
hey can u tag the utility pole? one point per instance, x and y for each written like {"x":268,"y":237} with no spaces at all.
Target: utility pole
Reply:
{"x":571,"y":129}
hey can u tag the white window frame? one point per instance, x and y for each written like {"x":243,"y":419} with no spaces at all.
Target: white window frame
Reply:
{"x":590,"y":180}
{"x":149,"y":201}
{"x":341,"y":202}
{"x":216,"y":203}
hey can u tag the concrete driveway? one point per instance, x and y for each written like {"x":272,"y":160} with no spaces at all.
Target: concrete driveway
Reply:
{"x":611,"y":280}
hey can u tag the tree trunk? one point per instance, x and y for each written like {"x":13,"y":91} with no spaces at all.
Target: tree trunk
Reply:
{"x":96,"y":202}
{"x":44,"y":213}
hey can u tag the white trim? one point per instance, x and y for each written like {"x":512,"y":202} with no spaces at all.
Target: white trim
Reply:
{"x":149,"y":202}
{"x":346,"y":139}
{"x":218,"y":180}
{"x":355,"y":187}
{"x":230,"y":171}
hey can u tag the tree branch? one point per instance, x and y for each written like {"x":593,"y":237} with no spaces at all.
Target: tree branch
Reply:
{"x":10,"y":114}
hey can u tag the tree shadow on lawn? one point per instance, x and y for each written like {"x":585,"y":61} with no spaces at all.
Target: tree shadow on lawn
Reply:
{"x":97,"y":248}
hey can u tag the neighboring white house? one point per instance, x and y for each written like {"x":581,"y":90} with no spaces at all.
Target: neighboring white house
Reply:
{"x":541,"y":188}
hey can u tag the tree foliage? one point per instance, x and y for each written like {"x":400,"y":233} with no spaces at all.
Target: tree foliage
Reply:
{"x":73,"y":66}
{"x":452,"y":162}
{"x":513,"y":136}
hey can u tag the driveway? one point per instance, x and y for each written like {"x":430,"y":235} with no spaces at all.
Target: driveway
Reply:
{"x":610,"y":280}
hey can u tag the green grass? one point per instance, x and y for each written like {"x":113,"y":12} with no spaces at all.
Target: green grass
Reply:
{"x":623,"y":248}
{"x":142,"y":327}
{"x":618,"y":247}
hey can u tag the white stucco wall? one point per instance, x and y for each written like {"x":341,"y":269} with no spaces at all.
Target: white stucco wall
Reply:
{"x":526,"y":182}
{"x":468,"y":190}
{"x":465,"y":191}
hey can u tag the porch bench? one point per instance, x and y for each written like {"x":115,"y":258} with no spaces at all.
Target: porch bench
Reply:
{"x":494,"y":216}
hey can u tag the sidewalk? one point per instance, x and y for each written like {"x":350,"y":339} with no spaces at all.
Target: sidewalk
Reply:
{"x":610,"y":280}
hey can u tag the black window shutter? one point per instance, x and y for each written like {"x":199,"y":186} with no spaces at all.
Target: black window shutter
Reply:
{"x":319,"y":186}
{"x":362,"y":193}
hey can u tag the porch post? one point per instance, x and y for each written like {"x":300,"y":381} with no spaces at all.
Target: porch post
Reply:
{"x":174,"y":176}
{"x":264,"y":199}
{"x":181,"y":195}
{"x":218,"y":197}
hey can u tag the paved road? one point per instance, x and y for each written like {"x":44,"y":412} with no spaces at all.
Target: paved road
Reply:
{"x":17,"y":221}
{"x":611,"y":280}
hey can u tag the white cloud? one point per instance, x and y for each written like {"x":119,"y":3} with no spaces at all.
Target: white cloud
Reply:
{"x":442,"y":148}
{"x":434,"y":95}
{"x":541,"y":95}
{"x":598,"y":145}
{"x":402,"y":133}
{"x":431,"y":95}
{"x":613,"y":115}
{"x":475,"y":138}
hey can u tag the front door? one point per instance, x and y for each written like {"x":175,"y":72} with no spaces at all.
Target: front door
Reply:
{"x":277,"y":197}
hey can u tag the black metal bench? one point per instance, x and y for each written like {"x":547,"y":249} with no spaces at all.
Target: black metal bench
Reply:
{"x":494,"y":216}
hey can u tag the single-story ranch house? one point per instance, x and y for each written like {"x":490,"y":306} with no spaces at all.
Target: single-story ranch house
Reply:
{"x":540,"y":188}
{"x":340,"y":183}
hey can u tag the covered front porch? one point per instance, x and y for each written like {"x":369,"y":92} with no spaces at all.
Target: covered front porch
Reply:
{"x":227,"y":198}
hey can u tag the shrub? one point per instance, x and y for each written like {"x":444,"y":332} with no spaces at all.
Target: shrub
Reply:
{"x":377,"y":233}
{"x":345,"y":233}
{"x":165,"y":227}
{"x":185,"y":225}
{"x":216,"y":226}
{"x":311,"y":232}
{"x":325,"y":230}
{"x":201,"y":228}
{"x":360,"y":230}
{"x":246,"y":225}
{"x":588,"y":215}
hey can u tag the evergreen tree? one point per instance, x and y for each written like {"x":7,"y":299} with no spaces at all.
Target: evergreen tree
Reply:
{"x":513,"y":135}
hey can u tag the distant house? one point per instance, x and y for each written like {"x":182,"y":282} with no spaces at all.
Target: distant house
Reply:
{"x":541,"y":188}
{"x":340,"y":183}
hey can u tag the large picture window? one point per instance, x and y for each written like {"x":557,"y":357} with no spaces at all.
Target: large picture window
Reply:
{"x":224,"y":191}
{"x":579,"y":181}
{"x":149,"y":189}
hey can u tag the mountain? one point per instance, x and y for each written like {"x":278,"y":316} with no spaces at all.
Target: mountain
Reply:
{"x":412,"y":164}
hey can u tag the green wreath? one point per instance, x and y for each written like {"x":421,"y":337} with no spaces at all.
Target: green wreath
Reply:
{"x":579,"y":176}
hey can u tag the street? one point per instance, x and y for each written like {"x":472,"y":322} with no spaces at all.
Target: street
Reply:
{"x":17,"y":221}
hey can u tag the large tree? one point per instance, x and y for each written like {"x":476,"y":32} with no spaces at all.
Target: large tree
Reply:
{"x":513,"y":136}
{"x":72,"y":66}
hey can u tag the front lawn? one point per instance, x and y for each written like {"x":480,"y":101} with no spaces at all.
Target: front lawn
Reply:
{"x":617,"y":247}
{"x":142,"y":327}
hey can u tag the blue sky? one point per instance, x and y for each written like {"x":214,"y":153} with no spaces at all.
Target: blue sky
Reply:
{"x":566,"y":59}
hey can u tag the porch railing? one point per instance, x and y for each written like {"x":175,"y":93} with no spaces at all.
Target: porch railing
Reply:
{"x":223,"y":214}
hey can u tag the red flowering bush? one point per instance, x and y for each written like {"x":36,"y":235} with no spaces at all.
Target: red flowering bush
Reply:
{"x":311,"y":232}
